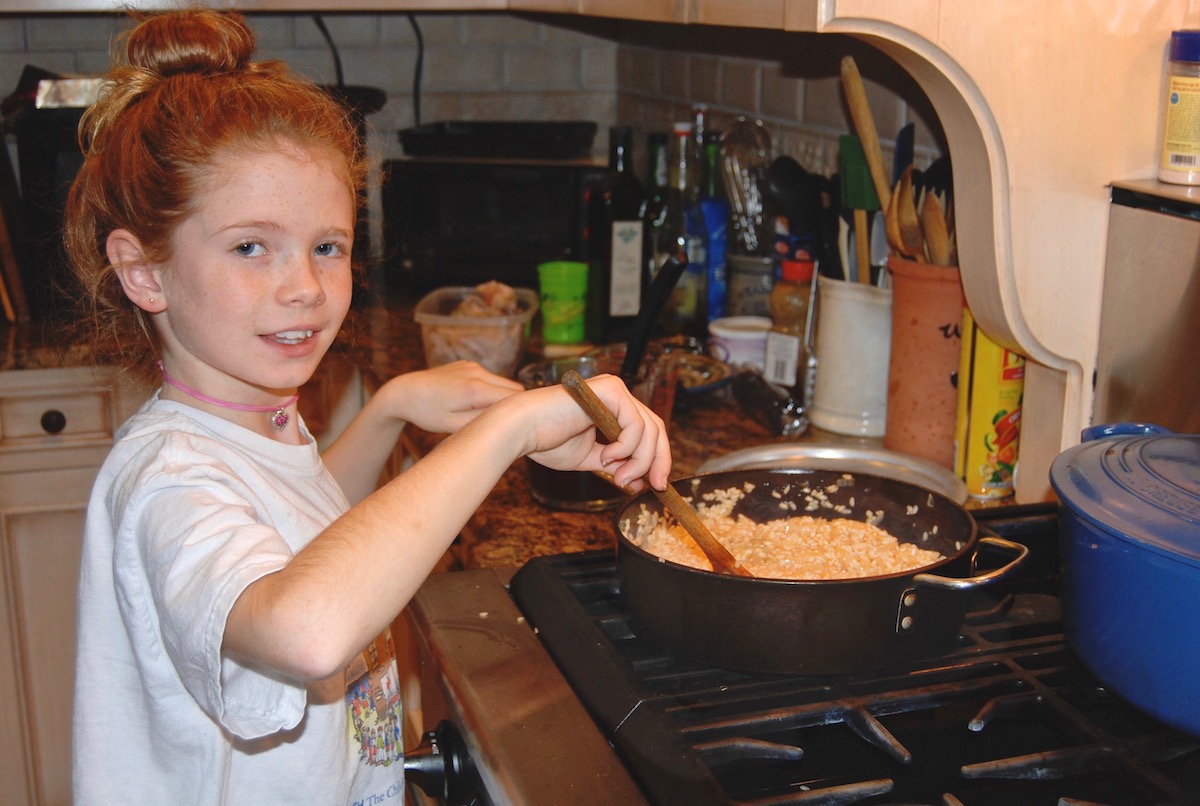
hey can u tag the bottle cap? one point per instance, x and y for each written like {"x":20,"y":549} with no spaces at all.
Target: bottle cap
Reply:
{"x":798,"y":271}
{"x":1185,"y":46}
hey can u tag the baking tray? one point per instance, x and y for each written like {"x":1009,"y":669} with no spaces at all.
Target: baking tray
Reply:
{"x":817,"y":456}
{"x":506,"y":139}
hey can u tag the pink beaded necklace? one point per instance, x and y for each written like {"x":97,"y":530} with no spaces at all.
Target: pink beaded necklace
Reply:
{"x":279,"y":417}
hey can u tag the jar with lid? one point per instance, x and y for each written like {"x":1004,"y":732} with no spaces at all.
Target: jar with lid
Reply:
{"x":787,"y":343}
{"x":1179,"y":159}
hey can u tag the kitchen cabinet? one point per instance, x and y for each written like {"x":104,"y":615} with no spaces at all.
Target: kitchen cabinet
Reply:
{"x":56,"y":427}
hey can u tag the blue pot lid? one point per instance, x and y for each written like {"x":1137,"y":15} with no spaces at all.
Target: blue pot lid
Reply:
{"x":1137,"y":481}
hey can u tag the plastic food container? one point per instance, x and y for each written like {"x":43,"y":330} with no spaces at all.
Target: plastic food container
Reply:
{"x":495,"y":342}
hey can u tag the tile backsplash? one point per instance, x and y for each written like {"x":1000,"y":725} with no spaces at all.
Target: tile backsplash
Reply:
{"x":545,"y":67}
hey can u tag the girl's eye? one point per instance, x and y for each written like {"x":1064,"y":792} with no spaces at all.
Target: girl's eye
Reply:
{"x":329,"y":249}
{"x":248,"y":249}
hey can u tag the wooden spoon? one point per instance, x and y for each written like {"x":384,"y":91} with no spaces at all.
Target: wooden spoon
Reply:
{"x":909,"y":222}
{"x":937,"y":236}
{"x":891,"y":225}
{"x":722,"y":561}
{"x":864,"y":126}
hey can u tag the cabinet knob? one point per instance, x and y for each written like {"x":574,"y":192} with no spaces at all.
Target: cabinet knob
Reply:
{"x":53,"y":421}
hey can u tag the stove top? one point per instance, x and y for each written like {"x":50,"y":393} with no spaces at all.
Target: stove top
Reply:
{"x":1008,"y":715}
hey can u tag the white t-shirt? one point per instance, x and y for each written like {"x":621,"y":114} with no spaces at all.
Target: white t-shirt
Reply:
{"x":187,"y":511}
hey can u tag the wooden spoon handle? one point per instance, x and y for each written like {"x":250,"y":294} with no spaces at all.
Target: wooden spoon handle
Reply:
{"x":864,"y":126}
{"x":722,"y":561}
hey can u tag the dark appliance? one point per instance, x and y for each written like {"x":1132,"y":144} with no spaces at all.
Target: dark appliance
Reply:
{"x":48,"y":157}
{"x":501,"y":139}
{"x":465,"y":220}
{"x":1006,"y":715}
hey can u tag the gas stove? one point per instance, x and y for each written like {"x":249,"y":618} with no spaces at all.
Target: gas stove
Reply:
{"x":1007,"y":715}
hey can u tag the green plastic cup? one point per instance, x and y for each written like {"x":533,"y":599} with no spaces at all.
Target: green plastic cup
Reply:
{"x":563,"y":286}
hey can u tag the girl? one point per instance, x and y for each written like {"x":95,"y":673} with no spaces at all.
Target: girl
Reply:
{"x":230,"y":595}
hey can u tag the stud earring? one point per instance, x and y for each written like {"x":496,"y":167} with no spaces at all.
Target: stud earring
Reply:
{"x":151,"y":300}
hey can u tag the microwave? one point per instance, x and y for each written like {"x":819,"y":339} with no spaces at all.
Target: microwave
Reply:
{"x":463,"y":220}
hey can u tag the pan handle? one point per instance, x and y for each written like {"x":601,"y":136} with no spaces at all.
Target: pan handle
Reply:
{"x":953,"y":583}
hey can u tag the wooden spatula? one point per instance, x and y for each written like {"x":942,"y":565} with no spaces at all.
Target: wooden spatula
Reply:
{"x":722,"y":561}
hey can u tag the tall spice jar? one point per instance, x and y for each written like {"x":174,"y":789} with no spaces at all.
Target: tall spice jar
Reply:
{"x":1179,"y":160}
{"x":786,"y":361}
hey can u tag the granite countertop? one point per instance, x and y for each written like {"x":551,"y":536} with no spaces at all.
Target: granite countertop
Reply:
{"x":510,"y":527}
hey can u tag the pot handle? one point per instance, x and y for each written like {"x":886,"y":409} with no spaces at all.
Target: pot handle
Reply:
{"x":953,"y":583}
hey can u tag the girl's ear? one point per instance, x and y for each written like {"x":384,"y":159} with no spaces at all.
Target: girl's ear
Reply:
{"x":137,"y":273}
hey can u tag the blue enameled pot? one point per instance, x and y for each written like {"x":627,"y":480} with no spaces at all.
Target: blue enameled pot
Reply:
{"x":1130,"y":542}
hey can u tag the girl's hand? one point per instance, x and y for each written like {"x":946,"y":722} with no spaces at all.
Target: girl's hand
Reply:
{"x":566,"y":439}
{"x":444,"y":399}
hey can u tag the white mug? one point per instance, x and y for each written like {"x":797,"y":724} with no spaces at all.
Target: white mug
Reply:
{"x":853,"y":347}
{"x":740,"y":340}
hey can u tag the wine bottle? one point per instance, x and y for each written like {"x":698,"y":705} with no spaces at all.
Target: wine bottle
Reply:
{"x":682,"y":230}
{"x":617,"y":245}
{"x":715,"y":207}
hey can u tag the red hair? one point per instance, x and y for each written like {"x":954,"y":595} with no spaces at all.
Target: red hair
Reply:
{"x":184,"y":93}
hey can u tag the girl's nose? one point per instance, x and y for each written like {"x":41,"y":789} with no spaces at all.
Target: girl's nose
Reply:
{"x":302,"y":283}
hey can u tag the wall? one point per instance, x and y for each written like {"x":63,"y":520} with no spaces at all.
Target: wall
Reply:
{"x":511,"y":66}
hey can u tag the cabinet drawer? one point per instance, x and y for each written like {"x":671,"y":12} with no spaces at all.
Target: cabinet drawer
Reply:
{"x":48,"y":407}
{"x":82,"y":414}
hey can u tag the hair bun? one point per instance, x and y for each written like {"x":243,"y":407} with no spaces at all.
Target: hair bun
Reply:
{"x":196,"y":41}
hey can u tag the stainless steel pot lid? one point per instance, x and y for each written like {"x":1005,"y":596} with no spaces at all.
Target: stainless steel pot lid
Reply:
{"x":1137,"y":481}
{"x":849,"y":459}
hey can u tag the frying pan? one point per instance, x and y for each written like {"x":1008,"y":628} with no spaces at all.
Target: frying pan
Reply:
{"x":812,"y":626}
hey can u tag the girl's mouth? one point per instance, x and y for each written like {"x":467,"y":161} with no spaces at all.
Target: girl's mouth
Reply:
{"x":292,"y":336}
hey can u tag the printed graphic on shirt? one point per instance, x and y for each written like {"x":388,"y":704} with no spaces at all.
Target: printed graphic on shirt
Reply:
{"x":373,"y":700}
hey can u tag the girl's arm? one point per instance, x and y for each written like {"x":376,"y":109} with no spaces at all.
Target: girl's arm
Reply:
{"x":439,"y":400}
{"x":308,"y":619}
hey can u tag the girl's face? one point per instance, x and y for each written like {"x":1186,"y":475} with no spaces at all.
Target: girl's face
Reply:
{"x":260,"y":277}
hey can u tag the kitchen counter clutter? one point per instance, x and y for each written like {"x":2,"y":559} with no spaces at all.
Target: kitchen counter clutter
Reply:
{"x":510,"y":527}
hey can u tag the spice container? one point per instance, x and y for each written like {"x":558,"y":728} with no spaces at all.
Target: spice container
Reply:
{"x":1179,"y":160}
{"x":751,"y":278}
{"x":787,"y":345}
{"x":991,"y":385}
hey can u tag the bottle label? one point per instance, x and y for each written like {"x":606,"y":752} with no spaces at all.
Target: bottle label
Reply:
{"x":991,"y":385}
{"x":782,"y":359}
{"x":1181,"y":126}
{"x":625,"y":291}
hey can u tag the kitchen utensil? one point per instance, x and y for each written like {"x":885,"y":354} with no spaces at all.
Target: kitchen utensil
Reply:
{"x":902,"y":155}
{"x":859,"y":196}
{"x":813,"y":627}
{"x":845,"y":247}
{"x":722,"y":561}
{"x":908,"y":220}
{"x":643,"y":324}
{"x":891,"y":225}
{"x":879,"y":250}
{"x":864,"y":126}
{"x":937,"y":236}
{"x":745,"y":150}
{"x":1129,"y":513}
{"x":844,"y":459}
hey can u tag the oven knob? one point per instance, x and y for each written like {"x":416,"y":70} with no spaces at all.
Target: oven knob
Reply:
{"x":441,"y":767}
